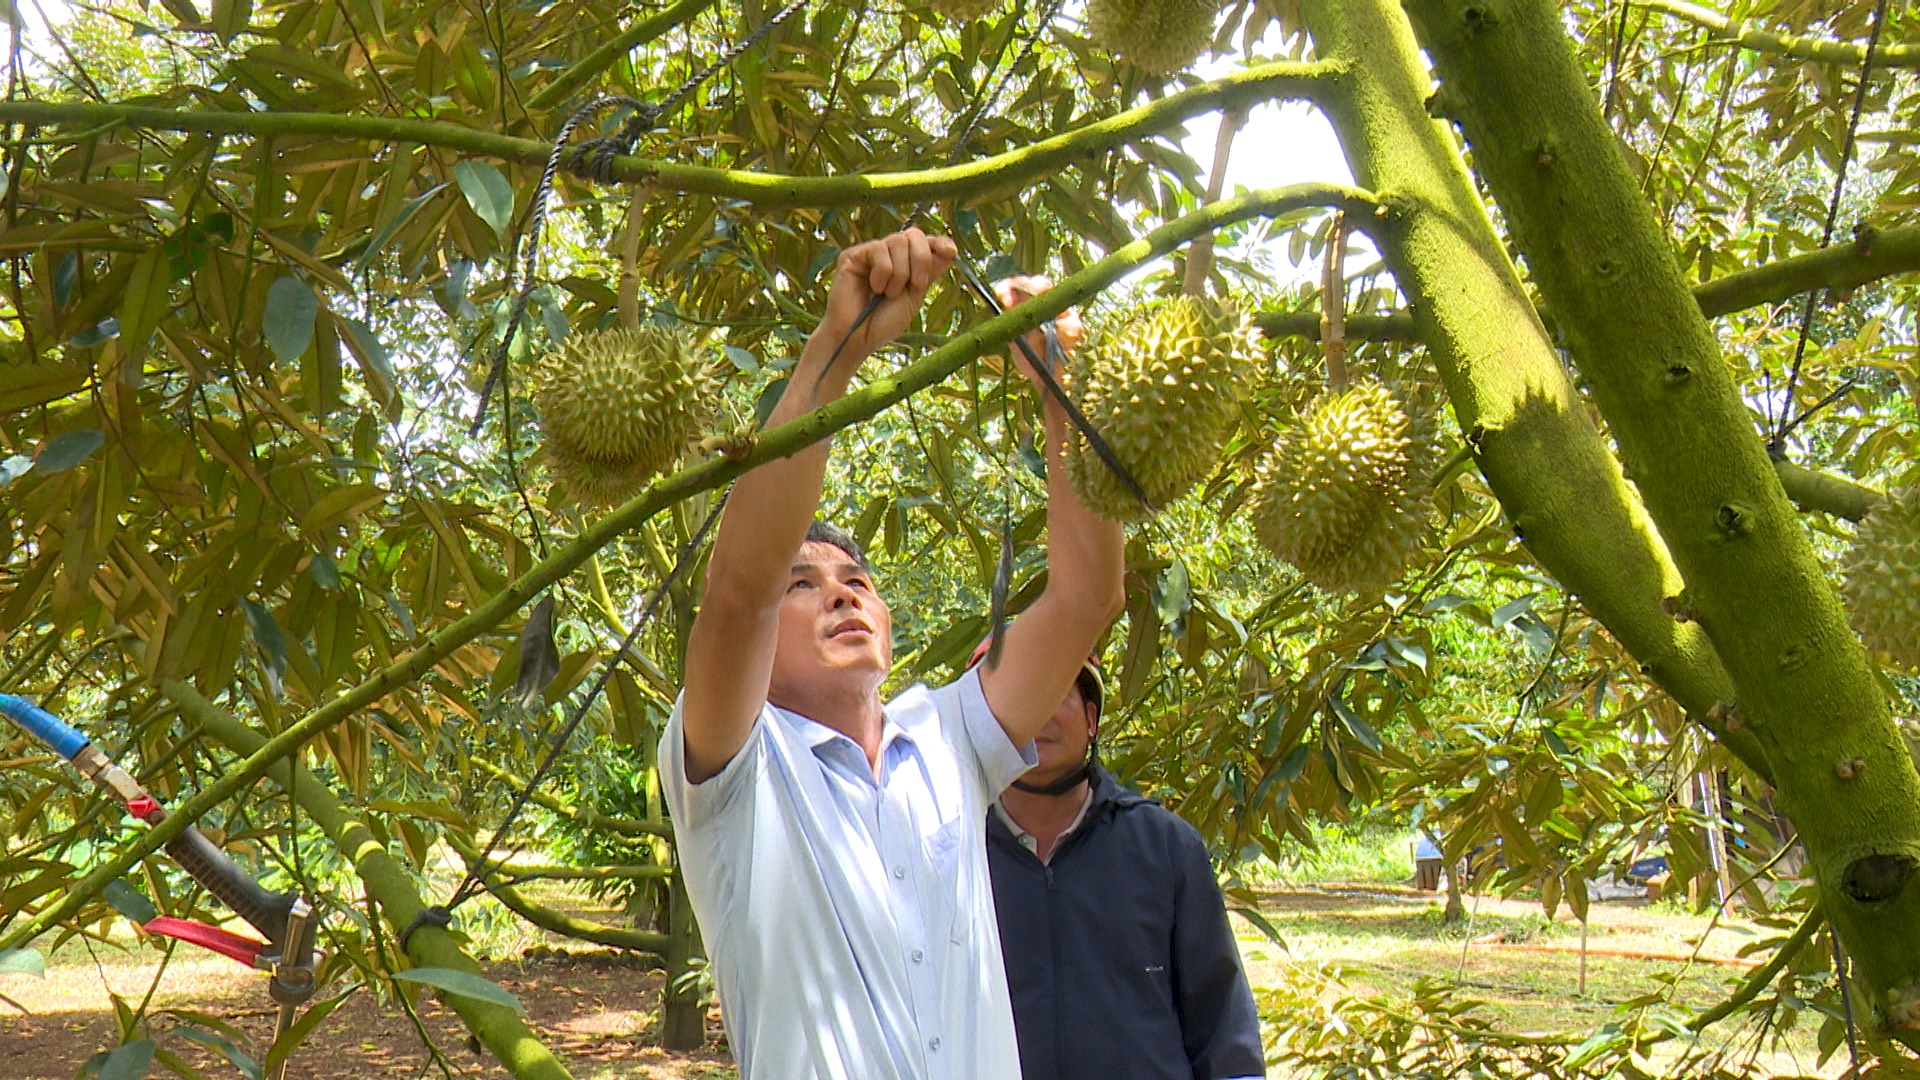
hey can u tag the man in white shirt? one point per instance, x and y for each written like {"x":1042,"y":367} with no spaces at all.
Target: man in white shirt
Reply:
{"x":831,"y":844}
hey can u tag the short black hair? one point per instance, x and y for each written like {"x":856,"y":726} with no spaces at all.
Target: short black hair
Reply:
{"x":826,"y":532}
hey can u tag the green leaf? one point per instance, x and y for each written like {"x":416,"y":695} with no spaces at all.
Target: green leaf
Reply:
{"x":290,"y":1040}
{"x":1173,"y":599}
{"x":742,"y":359}
{"x":1293,"y":764}
{"x":128,"y":1062}
{"x":488,"y":192}
{"x":287,"y":323}
{"x":63,"y":452}
{"x":234,"y":1055}
{"x":128,"y":902}
{"x":268,"y":636}
{"x":1360,"y":728}
{"x":22,"y":962}
{"x":399,"y":220}
{"x":462,"y":983}
{"x":323,"y":572}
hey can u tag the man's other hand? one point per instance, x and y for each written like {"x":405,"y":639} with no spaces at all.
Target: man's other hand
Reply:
{"x":1067,"y":326}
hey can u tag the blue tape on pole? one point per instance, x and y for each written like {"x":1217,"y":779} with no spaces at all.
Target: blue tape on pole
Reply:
{"x":43,"y":725}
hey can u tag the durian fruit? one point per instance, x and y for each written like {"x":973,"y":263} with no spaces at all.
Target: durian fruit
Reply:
{"x":1158,"y":36}
{"x":1344,"y":494}
{"x":1882,"y":582}
{"x":619,"y":406}
{"x":962,"y":10}
{"x":1164,"y":392}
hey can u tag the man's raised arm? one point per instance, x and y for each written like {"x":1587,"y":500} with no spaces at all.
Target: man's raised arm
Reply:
{"x":730,"y":649}
{"x":1086,"y":558}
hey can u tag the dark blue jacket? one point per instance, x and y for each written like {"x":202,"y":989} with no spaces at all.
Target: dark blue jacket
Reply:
{"x":1119,"y":957}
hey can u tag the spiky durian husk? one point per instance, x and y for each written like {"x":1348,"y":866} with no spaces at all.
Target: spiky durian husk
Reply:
{"x":1344,"y":493}
{"x":1164,"y":392}
{"x":1882,"y":582}
{"x":596,"y":483}
{"x":1160,"y":36}
{"x":962,"y":10}
{"x":620,"y":404}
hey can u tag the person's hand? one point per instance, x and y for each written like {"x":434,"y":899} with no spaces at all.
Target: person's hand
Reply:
{"x":1067,"y":326}
{"x":900,"y":269}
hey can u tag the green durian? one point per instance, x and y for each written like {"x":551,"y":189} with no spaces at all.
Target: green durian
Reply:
{"x":962,"y":10}
{"x":1344,"y":493}
{"x":1164,"y":391}
{"x":1159,"y":36}
{"x":1882,"y":579}
{"x":620,"y":406}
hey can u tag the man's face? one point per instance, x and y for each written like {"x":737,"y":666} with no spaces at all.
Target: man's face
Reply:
{"x":832,"y":624}
{"x":1062,"y":742}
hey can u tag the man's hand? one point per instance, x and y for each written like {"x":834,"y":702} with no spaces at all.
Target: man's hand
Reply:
{"x":1067,"y":327}
{"x":900,"y":268}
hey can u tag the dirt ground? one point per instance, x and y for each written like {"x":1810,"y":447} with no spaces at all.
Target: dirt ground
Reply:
{"x":597,"y":1011}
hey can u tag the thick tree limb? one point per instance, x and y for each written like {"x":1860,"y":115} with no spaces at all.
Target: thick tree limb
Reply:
{"x":787,"y":439}
{"x":1872,"y":255}
{"x":1826,"y":493}
{"x":1808,"y":692}
{"x":1794,"y":46}
{"x":604,"y":57}
{"x":502,"y":1030}
{"x":1529,"y":431}
{"x":1003,"y":172}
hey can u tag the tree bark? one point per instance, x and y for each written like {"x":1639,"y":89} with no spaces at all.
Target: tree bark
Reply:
{"x":1807,"y":690}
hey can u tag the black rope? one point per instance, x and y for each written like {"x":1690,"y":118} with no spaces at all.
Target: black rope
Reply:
{"x":477,"y":870}
{"x":1778,"y":444}
{"x":595,"y":159}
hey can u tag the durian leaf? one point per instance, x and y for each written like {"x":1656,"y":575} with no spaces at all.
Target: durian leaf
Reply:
{"x":1357,"y":726}
{"x":488,"y":192}
{"x":63,"y":452}
{"x":288,"y":320}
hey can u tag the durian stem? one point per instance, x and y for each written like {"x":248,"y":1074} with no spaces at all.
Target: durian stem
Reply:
{"x":1836,"y":495}
{"x":1333,"y":304}
{"x":629,"y":287}
{"x":1200,"y":252}
{"x":782,"y":441}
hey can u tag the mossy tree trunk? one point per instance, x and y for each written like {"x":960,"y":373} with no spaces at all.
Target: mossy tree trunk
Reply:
{"x":1805,"y":686}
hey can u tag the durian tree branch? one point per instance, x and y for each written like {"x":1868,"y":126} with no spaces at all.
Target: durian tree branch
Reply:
{"x":861,"y":405}
{"x":1792,"y":46}
{"x":500,"y":1029}
{"x":587,"y":67}
{"x":1872,"y":255}
{"x":559,"y":922}
{"x":1602,"y":262}
{"x":1546,"y":462}
{"x":1824,"y":492}
{"x":1001,"y":173}
{"x":585,"y":818}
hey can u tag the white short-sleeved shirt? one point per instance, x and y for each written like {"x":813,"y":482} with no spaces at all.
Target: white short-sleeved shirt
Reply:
{"x":849,"y":921}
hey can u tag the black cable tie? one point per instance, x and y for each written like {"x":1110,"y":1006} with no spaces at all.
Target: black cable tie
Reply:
{"x":426,"y":916}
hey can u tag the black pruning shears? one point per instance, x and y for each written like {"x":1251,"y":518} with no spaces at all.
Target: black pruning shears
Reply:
{"x":286,"y":920}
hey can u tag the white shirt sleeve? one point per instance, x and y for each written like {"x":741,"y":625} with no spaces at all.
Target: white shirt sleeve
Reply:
{"x":694,"y":806}
{"x":970,"y":723}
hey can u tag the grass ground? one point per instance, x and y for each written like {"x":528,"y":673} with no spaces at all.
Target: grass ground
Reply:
{"x":597,"y":1009}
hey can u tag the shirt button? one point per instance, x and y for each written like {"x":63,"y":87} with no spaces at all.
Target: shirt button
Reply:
{"x":918,"y":956}
{"x":933,"y":1043}
{"x":899,"y":873}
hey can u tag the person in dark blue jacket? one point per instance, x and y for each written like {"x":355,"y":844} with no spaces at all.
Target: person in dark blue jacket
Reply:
{"x":1120,"y":960}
